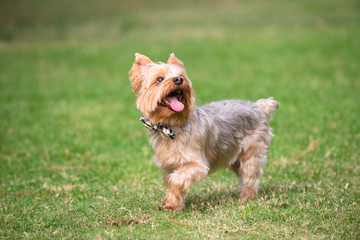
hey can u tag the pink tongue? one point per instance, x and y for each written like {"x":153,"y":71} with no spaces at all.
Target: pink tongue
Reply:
{"x":175,"y":104}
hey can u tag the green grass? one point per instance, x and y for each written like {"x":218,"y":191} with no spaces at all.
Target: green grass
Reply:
{"x":76,"y":163}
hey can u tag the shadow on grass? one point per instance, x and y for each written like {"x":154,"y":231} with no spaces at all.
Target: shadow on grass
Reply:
{"x":210,"y":199}
{"x":207,"y":200}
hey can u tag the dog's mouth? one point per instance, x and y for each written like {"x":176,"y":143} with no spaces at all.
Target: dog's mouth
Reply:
{"x":173,"y":101}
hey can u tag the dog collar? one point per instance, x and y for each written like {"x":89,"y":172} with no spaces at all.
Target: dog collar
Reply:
{"x":157,"y":127}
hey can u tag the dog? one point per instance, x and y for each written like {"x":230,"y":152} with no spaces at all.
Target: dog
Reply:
{"x":189,"y":141}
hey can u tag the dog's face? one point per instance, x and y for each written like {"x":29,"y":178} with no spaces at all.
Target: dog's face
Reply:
{"x":164,"y":92}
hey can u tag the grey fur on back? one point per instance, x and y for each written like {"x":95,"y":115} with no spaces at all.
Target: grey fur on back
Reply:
{"x":228,"y":123}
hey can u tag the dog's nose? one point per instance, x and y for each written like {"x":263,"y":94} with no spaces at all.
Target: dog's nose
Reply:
{"x":178,"y":80}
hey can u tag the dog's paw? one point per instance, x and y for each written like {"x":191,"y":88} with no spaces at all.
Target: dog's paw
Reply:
{"x":243,"y":199}
{"x":175,"y":208}
{"x":246,"y":196}
{"x":173,"y":203}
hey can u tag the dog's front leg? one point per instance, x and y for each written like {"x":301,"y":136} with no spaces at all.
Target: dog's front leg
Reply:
{"x":179,"y":182}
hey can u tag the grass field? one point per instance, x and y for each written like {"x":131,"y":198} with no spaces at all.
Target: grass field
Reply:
{"x":75,"y":160}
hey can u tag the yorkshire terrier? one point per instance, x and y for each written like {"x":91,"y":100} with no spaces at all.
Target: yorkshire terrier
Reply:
{"x":189,"y":141}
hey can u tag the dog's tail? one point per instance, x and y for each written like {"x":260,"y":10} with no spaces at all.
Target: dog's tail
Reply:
{"x":268,"y":106}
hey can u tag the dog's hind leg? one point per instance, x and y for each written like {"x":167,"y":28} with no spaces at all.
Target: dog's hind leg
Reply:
{"x":251,"y":168}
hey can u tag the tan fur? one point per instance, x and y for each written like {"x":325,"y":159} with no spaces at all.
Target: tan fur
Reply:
{"x":232,"y":134}
{"x":143,"y":77}
{"x":268,"y":106}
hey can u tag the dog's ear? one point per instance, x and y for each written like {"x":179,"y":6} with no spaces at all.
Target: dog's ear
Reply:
{"x":137,"y":69}
{"x":173,"y":60}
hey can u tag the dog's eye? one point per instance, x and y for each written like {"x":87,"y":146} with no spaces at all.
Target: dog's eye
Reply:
{"x":159,"y":79}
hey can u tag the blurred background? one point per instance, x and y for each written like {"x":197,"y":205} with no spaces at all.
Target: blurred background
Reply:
{"x":64,"y":64}
{"x":68,"y":116}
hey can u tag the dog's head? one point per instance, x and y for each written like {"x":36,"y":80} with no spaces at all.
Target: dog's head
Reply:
{"x":164,"y":92}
